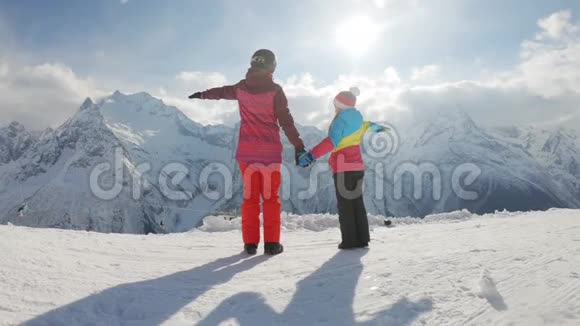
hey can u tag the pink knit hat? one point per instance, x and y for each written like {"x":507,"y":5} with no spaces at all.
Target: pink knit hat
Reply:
{"x":346,"y":99}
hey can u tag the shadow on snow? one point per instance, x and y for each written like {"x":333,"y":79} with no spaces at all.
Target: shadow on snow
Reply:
{"x":148,"y":302}
{"x":324,"y":297}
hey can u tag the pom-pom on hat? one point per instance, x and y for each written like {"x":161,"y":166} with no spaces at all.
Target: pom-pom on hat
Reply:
{"x":346,"y":99}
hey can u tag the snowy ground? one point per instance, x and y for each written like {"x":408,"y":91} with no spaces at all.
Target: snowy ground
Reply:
{"x":507,"y":269}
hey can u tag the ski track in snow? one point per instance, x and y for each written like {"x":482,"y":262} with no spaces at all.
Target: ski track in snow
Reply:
{"x":500,"y":269}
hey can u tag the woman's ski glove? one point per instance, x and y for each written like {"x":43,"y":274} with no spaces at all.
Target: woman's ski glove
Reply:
{"x":306,"y":159}
{"x":297,"y":154}
{"x":195,"y":95}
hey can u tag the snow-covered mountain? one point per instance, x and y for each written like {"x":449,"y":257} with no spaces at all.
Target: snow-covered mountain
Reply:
{"x":14,"y":141}
{"x":557,"y":151}
{"x":48,"y":186}
{"x":512,"y":176}
{"x":45,"y":179}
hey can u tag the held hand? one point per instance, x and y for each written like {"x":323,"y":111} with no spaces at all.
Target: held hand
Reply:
{"x":195,"y":95}
{"x":297,"y":154}
{"x":306,"y":159}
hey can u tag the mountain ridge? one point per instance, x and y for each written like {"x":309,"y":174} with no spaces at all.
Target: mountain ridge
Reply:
{"x":522,"y":168}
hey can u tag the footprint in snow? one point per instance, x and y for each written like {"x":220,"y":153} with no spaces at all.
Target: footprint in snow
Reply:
{"x":488,"y":291}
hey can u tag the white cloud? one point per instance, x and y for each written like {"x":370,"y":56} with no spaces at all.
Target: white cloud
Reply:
{"x":124,"y":2}
{"x":206,"y":112}
{"x":47,"y":94}
{"x":201,"y":80}
{"x":551,"y":63}
{"x":391,"y":76}
{"x":544,"y":88}
{"x":42,"y":95}
{"x":392,"y":4}
{"x":426,"y":74}
{"x":310,"y":100}
{"x":556,"y":26}
{"x":3,"y":69}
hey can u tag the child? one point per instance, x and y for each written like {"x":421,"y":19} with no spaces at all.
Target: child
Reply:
{"x":263,"y":110}
{"x":344,"y":138}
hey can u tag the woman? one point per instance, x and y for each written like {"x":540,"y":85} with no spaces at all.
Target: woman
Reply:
{"x":263,"y":110}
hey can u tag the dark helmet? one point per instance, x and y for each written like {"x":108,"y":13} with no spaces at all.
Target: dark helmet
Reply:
{"x":264,"y":59}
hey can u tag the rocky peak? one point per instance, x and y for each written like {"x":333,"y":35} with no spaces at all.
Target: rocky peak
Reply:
{"x":16,"y":127}
{"x":88,"y":103}
{"x":14,"y":141}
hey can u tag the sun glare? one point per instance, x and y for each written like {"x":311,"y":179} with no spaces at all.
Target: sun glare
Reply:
{"x":357,"y":35}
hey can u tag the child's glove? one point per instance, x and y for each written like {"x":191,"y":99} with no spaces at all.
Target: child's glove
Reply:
{"x":297,"y":154}
{"x":195,"y":95}
{"x":378,"y":128}
{"x":306,"y":159}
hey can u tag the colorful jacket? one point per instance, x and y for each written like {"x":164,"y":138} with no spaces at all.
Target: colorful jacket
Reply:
{"x":344,"y":138}
{"x":263,"y":110}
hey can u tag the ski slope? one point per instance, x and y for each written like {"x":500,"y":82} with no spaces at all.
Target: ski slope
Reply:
{"x":451,"y":269}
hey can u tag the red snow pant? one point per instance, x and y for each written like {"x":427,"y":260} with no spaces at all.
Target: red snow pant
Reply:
{"x":261,"y":183}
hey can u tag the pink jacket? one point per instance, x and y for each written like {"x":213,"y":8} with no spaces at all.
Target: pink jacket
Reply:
{"x":263,"y":110}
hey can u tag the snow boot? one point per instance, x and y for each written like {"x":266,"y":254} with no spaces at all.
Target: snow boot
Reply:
{"x":342,"y":246}
{"x":251,"y":248}
{"x":273,"y":248}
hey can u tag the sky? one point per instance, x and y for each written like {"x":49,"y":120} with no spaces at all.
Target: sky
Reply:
{"x":503,"y":62}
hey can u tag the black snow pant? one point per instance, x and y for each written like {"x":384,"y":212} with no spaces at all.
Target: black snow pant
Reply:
{"x":352,"y":214}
